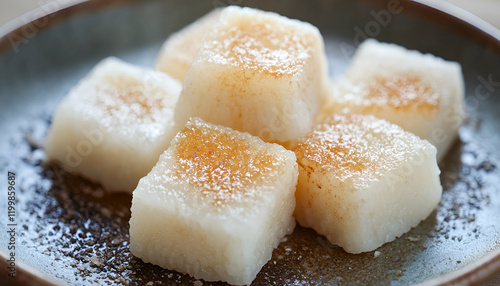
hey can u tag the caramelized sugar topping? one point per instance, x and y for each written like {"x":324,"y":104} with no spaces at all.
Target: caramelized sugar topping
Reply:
{"x":221,"y":164}
{"x":355,"y":148}
{"x":262,"y":45}
{"x":403,"y":91}
{"x":126,"y":95}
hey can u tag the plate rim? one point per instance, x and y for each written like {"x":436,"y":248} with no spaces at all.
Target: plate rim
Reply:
{"x":451,"y":17}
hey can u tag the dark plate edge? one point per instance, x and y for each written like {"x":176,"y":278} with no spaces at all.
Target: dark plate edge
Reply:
{"x":24,"y":274}
{"x":451,"y":17}
{"x":25,"y":27}
{"x":471,"y":274}
{"x":463,"y":22}
{"x":442,"y":13}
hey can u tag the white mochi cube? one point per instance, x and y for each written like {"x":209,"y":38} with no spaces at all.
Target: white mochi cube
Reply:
{"x":364,"y":181}
{"x":178,"y":51}
{"x":422,"y":93}
{"x":112,"y":127}
{"x":257,"y":72}
{"x":215,"y":205}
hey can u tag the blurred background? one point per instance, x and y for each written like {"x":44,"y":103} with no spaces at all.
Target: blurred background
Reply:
{"x":488,"y":10}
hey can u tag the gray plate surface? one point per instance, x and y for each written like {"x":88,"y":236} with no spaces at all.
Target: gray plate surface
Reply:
{"x":73,"y":231}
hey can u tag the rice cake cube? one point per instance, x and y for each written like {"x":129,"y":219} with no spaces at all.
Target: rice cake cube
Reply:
{"x":179,"y":50}
{"x":422,"y":93}
{"x":113,"y":126}
{"x":257,"y":72}
{"x":215,"y":205}
{"x":364,"y":181}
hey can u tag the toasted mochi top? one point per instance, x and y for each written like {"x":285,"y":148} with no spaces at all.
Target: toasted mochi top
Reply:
{"x":355,"y":150}
{"x":384,"y":74}
{"x":223,"y":165}
{"x":128,"y":100}
{"x":260,"y":41}
{"x":401,"y":91}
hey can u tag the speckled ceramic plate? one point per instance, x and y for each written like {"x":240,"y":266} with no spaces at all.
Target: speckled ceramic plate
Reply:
{"x":70,"y":231}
